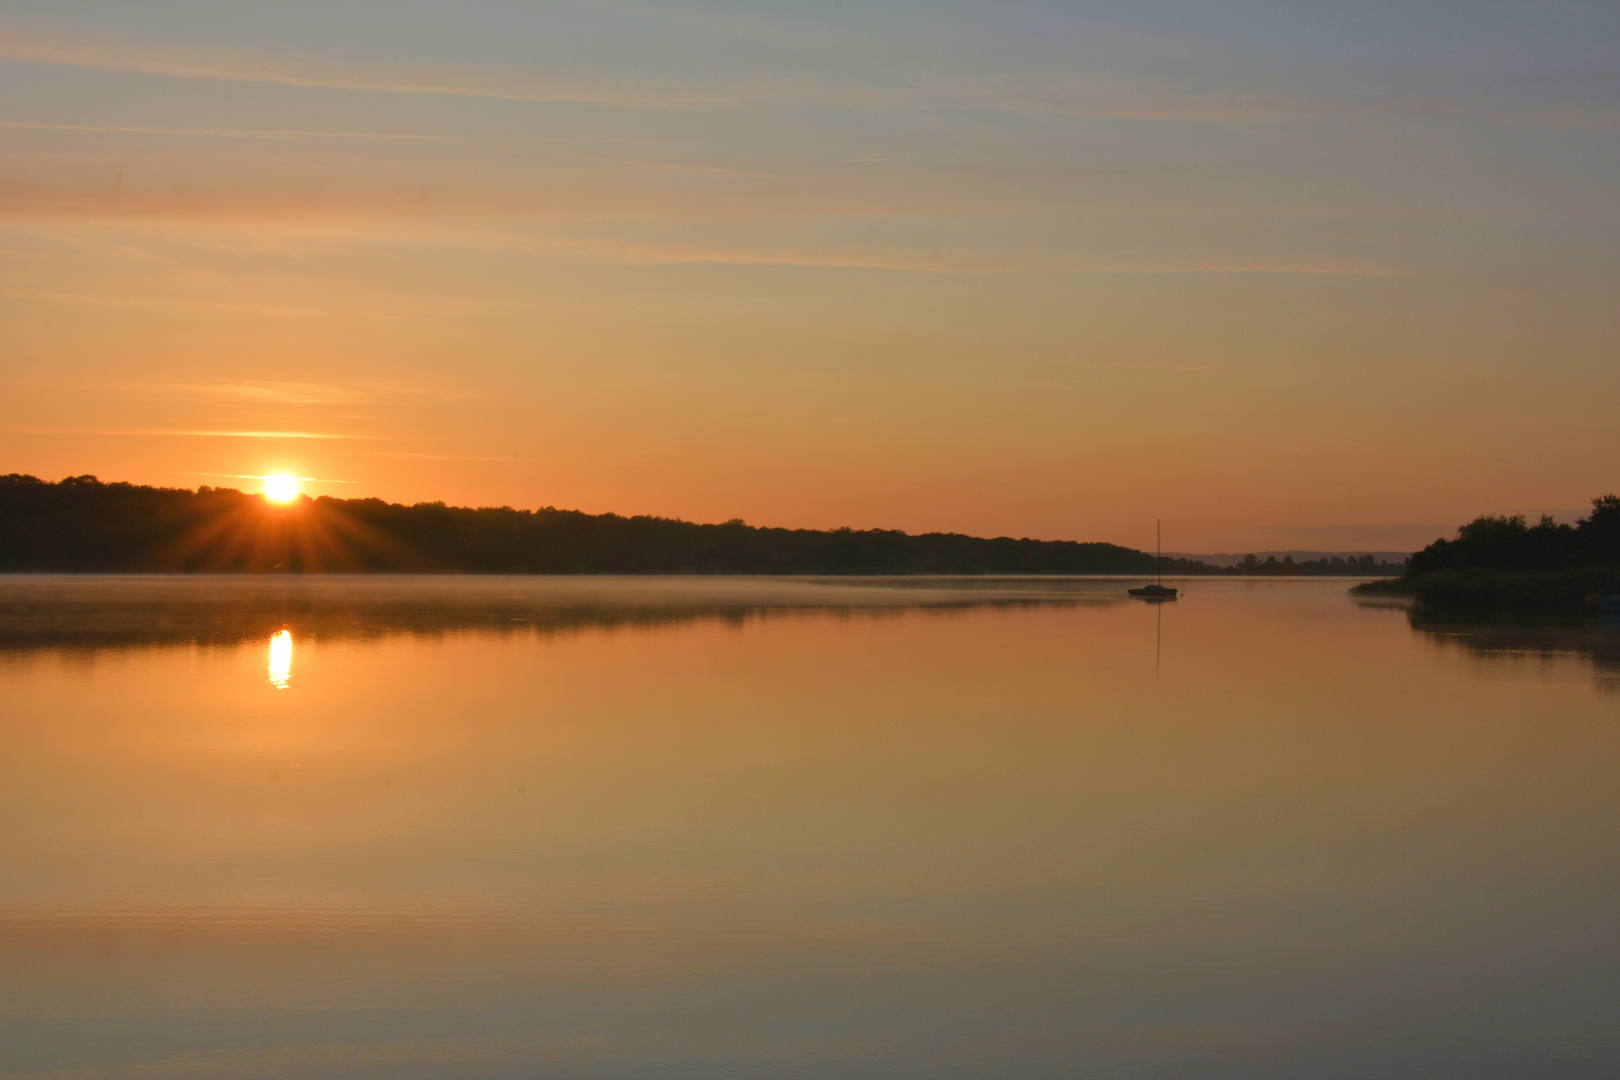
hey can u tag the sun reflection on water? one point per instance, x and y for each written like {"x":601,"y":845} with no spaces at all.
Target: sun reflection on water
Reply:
{"x":280,"y":659}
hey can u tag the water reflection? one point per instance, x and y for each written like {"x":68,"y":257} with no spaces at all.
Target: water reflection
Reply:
{"x":90,"y":612}
{"x":281,"y":648}
{"x":695,"y":829}
{"x":1507,"y":645}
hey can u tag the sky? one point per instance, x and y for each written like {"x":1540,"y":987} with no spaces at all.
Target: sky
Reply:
{"x":1284,"y":275}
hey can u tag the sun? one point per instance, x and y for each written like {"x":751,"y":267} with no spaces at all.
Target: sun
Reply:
{"x":281,"y":488}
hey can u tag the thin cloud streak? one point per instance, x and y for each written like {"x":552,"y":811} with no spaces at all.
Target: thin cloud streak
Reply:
{"x":1099,"y":97}
{"x":174,"y":433}
{"x":634,"y":253}
{"x":271,"y":312}
{"x":1181,"y":369}
{"x":292,"y":221}
{"x":644,"y":253}
{"x":226,"y":133}
{"x":306,"y":72}
{"x":257,"y":133}
{"x":282,"y":134}
{"x":266,"y":476}
{"x":671,"y":166}
{"x":673,"y":254}
{"x":407,"y":455}
{"x":269,"y":393}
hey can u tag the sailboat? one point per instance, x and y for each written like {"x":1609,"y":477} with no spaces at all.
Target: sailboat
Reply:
{"x":1157,"y":591}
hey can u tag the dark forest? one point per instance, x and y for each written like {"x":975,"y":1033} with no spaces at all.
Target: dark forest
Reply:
{"x":84,"y":525}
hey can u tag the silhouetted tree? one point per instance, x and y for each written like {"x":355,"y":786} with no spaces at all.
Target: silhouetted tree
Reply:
{"x":1510,"y":543}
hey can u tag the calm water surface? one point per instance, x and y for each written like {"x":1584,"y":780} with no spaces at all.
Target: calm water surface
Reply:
{"x":524,"y":827}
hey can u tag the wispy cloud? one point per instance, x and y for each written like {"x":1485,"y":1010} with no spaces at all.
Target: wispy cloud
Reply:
{"x":279,"y":393}
{"x":412,"y":455}
{"x":311,"y":72}
{"x":415,"y":388}
{"x":284,"y":134}
{"x":675,"y":254}
{"x":266,"y":476}
{"x":1099,"y":95}
{"x":1181,"y":369}
{"x":1124,"y":99}
{"x":193,"y":304}
{"x":1095,"y":95}
{"x":184,"y":433}
{"x":877,"y":259}
{"x":300,"y":393}
{"x":267,"y":133}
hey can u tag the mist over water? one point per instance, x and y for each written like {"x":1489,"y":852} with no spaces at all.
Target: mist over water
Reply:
{"x":676,"y":827}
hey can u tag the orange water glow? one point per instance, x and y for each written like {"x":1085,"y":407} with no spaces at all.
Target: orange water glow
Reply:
{"x":280,"y":666}
{"x":676,"y":801}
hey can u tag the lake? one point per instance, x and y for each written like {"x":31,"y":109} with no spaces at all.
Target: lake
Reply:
{"x":676,"y":827}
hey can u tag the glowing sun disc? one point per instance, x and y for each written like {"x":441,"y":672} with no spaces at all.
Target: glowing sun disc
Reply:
{"x":281,"y":488}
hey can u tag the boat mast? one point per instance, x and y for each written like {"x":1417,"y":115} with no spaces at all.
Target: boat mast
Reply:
{"x":1158,"y":563}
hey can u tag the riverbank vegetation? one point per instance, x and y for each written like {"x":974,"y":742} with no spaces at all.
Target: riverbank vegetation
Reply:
{"x":1507,"y":565}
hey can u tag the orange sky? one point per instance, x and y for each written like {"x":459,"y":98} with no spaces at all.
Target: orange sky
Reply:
{"x":1338,"y":280}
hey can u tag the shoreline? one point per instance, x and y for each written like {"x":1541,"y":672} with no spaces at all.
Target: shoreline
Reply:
{"x":1484,"y":591}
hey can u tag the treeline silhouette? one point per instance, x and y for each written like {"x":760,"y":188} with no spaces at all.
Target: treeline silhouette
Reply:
{"x":1332,"y":566}
{"x":1510,"y":543}
{"x":1504,"y":564}
{"x":82,"y":524}
{"x":1271,"y":566}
